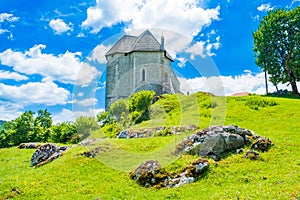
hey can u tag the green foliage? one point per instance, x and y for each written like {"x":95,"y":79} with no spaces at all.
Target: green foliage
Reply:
{"x":119,"y":108}
{"x":257,"y":102}
{"x":140,"y":101}
{"x":104,"y":118}
{"x":138,"y":105}
{"x":26,"y":128}
{"x":207,"y":103}
{"x":165,"y":132}
{"x":85,"y":125}
{"x":277,"y":46}
{"x":65,"y":132}
{"x":111,"y":130}
{"x":2,"y":124}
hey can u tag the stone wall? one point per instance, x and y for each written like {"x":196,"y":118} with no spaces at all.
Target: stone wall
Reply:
{"x":124,"y":75}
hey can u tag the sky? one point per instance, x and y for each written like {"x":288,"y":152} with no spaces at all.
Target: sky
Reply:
{"x":52,"y":51}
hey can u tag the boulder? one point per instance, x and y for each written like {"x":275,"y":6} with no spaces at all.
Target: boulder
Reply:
{"x":30,"y":145}
{"x":123,"y":134}
{"x":262,"y":144}
{"x":150,"y":174}
{"x":252,"y":155}
{"x":146,"y":173}
{"x":189,"y":174}
{"x":211,"y":141}
{"x":46,"y":153}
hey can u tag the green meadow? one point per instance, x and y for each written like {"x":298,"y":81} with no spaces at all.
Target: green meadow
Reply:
{"x":274,"y":175}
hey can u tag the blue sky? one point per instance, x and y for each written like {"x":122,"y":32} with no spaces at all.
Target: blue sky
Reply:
{"x":52,"y":52}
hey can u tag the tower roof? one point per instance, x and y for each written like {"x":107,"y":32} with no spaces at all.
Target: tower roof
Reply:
{"x":144,"y":42}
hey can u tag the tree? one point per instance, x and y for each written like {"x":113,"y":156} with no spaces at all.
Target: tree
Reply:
{"x":120,"y":111}
{"x":277,"y":46}
{"x":139,"y":103}
{"x":65,"y":132}
{"x":42,"y":126}
{"x":85,"y":125}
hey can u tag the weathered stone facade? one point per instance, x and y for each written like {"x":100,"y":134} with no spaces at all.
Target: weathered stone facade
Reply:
{"x":138,"y":63}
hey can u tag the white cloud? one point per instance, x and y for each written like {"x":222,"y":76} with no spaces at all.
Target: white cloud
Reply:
{"x":3,"y":31}
{"x":66,"y":68}
{"x":203,"y":48}
{"x":86,"y":102}
{"x":69,"y":115}
{"x":5,"y":27}
{"x":5,"y":75}
{"x":181,"y":61}
{"x":196,"y":49}
{"x":47,"y":93}
{"x":228,"y":85}
{"x":8,"y":17}
{"x":295,"y":1}
{"x":9,"y":111}
{"x":265,"y":7}
{"x":59,"y":26}
{"x":189,"y":16}
{"x":99,"y":53}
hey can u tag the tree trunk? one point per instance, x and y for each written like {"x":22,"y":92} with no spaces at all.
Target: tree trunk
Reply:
{"x":276,"y":88}
{"x":290,"y":74}
{"x":292,"y":81}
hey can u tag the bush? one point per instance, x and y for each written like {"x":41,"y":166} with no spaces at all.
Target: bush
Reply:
{"x":119,"y":108}
{"x":85,"y":125}
{"x":139,"y":104}
{"x":256,"y":102}
{"x":65,"y":132}
{"x":111,"y":130}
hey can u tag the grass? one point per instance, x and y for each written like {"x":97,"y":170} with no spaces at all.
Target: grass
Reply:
{"x":275,"y":175}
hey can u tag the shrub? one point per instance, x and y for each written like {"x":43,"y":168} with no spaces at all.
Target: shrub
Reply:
{"x":119,"y":108}
{"x":256,"y":102}
{"x":65,"y":132}
{"x":85,"y":125}
{"x":111,"y":130}
{"x":139,"y":104}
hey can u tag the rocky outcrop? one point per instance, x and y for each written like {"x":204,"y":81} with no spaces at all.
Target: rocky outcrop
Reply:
{"x":150,"y":174}
{"x":262,"y":144}
{"x":156,"y":131}
{"x":216,"y":140}
{"x":189,"y":174}
{"x":46,"y":153}
{"x":147,"y":173}
{"x":30,"y":145}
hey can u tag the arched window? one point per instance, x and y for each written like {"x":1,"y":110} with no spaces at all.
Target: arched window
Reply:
{"x":143,"y":75}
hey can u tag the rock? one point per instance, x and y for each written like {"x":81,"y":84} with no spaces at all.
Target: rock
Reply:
{"x":46,"y":153}
{"x":145,"y":174}
{"x":213,"y":141}
{"x":262,"y":144}
{"x":123,"y":134}
{"x":150,"y":174}
{"x":216,"y":140}
{"x":89,"y":141}
{"x":94,"y":152}
{"x":252,"y":155}
{"x":30,"y":145}
{"x":156,"y":131}
{"x":240,"y":150}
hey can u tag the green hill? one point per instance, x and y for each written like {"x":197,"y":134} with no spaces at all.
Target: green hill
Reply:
{"x":275,"y":175}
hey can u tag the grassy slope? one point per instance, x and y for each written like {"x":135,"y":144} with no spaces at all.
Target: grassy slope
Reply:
{"x":275,"y":175}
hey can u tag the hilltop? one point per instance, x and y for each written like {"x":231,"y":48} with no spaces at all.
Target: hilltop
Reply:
{"x":275,"y":175}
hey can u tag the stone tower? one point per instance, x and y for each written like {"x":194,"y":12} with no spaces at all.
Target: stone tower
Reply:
{"x":138,"y":63}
